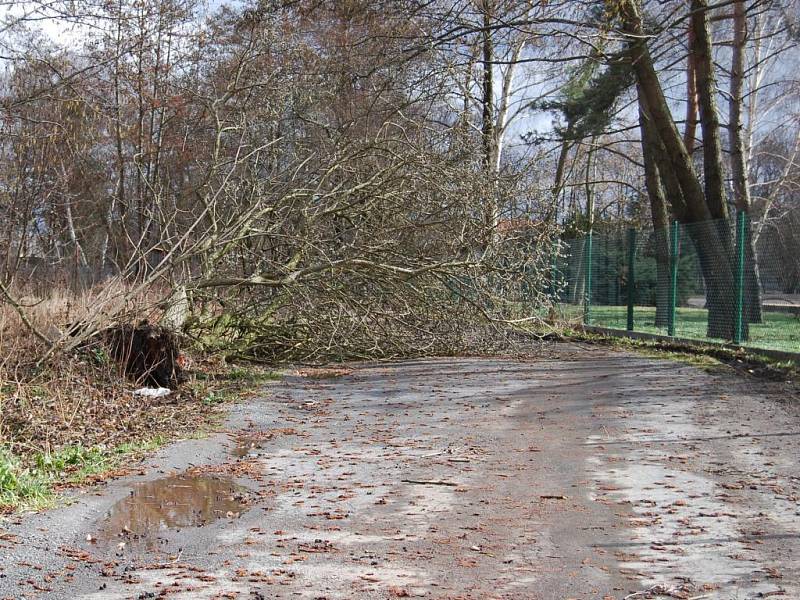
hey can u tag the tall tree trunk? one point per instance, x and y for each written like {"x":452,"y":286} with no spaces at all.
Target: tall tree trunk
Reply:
{"x":690,"y":131}
{"x":709,"y":119}
{"x":701,"y":203}
{"x":587,"y":183}
{"x":676,"y":157}
{"x":739,"y":154}
{"x":81,"y":265}
{"x":488,"y":122}
{"x":501,"y":121}
{"x":741,"y":191}
{"x":558,"y":180}
{"x":578,"y":251}
{"x":118,"y":199}
{"x":659,"y":215}
{"x":720,"y":298}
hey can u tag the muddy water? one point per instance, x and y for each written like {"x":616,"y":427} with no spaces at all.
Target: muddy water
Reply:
{"x":175,"y":502}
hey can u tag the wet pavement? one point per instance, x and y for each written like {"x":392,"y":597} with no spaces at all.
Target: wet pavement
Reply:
{"x":580,"y":473}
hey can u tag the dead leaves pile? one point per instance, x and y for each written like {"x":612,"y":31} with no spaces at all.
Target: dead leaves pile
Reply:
{"x":75,"y":402}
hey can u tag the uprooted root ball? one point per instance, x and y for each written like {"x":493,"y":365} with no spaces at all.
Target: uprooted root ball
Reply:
{"x":148,"y":354}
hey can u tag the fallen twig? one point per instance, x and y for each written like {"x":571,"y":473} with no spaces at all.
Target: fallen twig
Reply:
{"x":429,"y":482}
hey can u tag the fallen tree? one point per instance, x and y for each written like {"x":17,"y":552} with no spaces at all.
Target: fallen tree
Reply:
{"x":306,"y":217}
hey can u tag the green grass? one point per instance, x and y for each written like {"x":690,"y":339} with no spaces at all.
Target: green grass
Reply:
{"x":779,"y":331}
{"x":19,"y":486}
{"x":251,"y":375}
{"x":28,"y":485}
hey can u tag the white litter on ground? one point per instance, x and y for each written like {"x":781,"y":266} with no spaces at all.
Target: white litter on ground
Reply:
{"x":159,"y":392}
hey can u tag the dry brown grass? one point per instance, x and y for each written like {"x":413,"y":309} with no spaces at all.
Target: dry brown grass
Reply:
{"x":53,"y":312}
{"x":65,"y":390}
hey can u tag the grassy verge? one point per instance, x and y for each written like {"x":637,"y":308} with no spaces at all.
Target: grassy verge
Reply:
{"x":68,"y":413}
{"x":707,"y":357}
{"x":32,"y":483}
{"x":779,"y":330}
{"x":39,"y":456}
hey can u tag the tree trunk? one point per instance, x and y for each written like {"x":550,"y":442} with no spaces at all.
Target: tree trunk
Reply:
{"x":709,"y":119}
{"x":579,"y":278}
{"x":488,"y":122}
{"x":502,"y":118}
{"x":690,"y":130}
{"x":716,"y":257}
{"x":701,"y":203}
{"x":739,"y":154}
{"x":658,"y":211}
{"x":118,"y":199}
{"x":558,"y":181}
{"x":752,"y":285}
{"x":720,"y":291}
{"x":741,"y":191}
{"x":676,"y":158}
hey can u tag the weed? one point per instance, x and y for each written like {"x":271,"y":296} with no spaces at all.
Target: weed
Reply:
{"x":100,"y":356}
{"x":212,"y":398}
{"x":31,"y":487}
{"x":239,"y":373}
{"x":129,"y":448}
{"x":20,"y":486}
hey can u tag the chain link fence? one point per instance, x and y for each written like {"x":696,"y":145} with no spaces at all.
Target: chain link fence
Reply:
{"x":709,"y":281}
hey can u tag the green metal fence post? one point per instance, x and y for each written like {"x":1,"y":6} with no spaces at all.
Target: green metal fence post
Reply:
{"x":673,"y":279}
{"x":587,"y":292}
{"x":631,"y":275}
{"x":741,"y":222}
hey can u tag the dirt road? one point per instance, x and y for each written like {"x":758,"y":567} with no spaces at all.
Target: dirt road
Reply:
{"x":584,"y":473}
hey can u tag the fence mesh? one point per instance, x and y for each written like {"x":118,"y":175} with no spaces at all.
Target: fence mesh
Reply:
{"x":709,"y":281}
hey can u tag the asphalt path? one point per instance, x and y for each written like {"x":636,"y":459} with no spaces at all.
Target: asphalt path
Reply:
{"x":576,"y":472}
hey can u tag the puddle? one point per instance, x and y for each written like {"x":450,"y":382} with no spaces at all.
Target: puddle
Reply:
{"x":173,"y":502}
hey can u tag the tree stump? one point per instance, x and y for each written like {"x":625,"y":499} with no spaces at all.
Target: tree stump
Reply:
{"x":149,"y":354}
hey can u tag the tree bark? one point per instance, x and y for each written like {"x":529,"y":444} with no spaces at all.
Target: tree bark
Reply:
{"x":709,"y":119}
{"x":701,"y":203}
{"x":721,"y":293}
{"x":658,"y":212}
{"x":676,"y":157}
{"x":739,"y":154}
{"x":690,"y":130}
{"x":502,"y":118}
{"x":488,"y":122}
{"x":741,"y":191}
{"x":558,"y":180}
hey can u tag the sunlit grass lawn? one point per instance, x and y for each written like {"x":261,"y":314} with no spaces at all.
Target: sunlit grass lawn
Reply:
{"x":779,"y":331}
